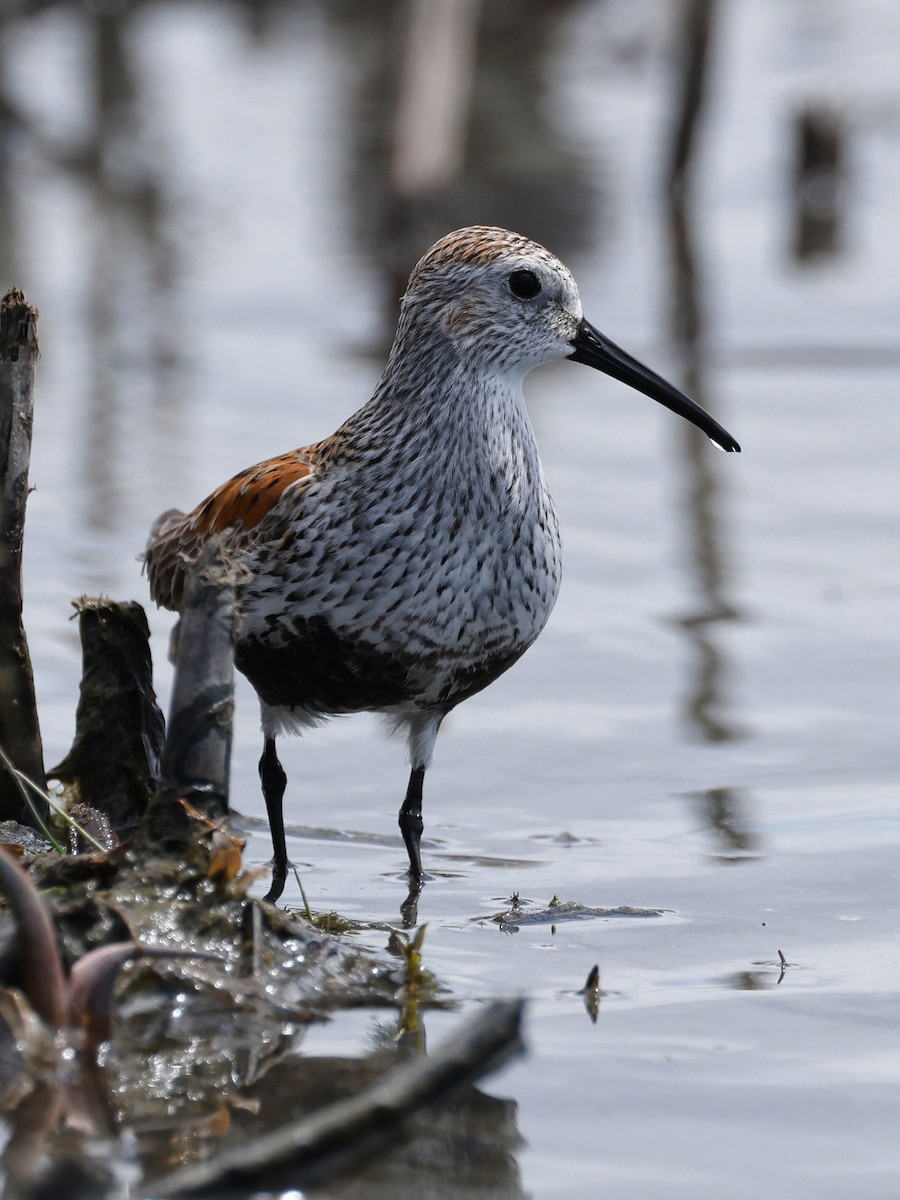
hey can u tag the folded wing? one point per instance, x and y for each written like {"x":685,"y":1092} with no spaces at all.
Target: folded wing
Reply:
{"x":235,"y":510}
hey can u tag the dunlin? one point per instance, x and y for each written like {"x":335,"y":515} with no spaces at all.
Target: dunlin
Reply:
{"x":404,"y":563}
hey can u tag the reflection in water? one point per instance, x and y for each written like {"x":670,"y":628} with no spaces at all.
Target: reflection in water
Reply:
{"x":506,"y":163}
{"x":211,"y":1084}
{"x":9,"y":264}
{"x":819,"y":184}
{"x":128,"y":265}
{"x":726,"y":815}
{"x":466,"y":1150}
{"x":130,"y":270}
{"x":591,"y":993}
{"x":706,"y":704}
{"x":758,"y":981}
{"x":751,"y":981}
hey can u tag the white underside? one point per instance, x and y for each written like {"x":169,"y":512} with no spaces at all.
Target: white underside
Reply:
{"x":420,"y":729}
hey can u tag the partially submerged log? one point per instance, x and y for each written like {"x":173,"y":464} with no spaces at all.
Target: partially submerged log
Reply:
{"x":20,"y":737}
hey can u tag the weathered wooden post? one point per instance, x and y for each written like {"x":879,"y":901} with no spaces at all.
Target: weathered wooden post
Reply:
{"x":196,"y":756}
{"x":20,"y":735}
{"x":114,"y":763}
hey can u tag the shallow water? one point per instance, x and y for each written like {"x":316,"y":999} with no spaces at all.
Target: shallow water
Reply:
{"x":708,"y":724}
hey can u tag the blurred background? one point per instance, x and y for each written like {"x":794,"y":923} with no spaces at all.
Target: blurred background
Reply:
{"x":215,"y":206}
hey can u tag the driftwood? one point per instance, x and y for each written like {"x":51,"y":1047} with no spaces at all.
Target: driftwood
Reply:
{"x":114,"y":763}
{"x":317,"y":1149}
{"x":20,"y":737}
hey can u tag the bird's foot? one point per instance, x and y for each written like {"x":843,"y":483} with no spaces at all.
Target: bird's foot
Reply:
{"x":279,"y":878}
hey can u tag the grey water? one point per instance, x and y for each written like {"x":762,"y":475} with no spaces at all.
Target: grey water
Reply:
{"x":196,"y":198}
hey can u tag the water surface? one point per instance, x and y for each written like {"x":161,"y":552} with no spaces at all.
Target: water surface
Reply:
{"x":708,"y":724}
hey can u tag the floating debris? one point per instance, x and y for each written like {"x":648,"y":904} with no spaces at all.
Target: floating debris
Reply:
{"x":567,"y":910}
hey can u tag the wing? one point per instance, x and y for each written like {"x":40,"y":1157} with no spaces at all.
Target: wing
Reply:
{"x":234,"y":509}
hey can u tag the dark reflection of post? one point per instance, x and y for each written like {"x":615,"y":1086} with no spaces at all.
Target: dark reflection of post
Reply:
{"x":449,"y":128}
{"x":432,"y":115}
{"x":726,"y":816}
{"x":9,"y":265}
{"x":106,"y":251}
{"x":127,"y":251}
{"x":819,"y":184}
{"x":129,"y":268}
{"x":706,"y":703}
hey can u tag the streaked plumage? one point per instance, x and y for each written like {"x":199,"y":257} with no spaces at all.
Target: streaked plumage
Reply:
{"x":403,"y":563}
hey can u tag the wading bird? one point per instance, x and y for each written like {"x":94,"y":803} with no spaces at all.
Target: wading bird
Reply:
{"x":404,"y":563}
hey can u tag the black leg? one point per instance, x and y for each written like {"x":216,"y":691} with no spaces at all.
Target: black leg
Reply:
{"x":411,"y":823}
{"x":274,"y":781}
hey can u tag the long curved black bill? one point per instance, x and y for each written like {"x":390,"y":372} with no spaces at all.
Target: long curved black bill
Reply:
{"x":595,"y":350}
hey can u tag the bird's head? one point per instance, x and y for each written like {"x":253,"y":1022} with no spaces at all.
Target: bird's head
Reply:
{"x":504,"y":304}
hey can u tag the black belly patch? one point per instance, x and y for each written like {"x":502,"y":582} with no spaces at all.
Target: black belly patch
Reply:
{"x":321,"y":673}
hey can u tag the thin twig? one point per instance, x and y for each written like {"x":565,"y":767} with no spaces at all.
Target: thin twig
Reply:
{"x":25,"y":786}
{"x":59,"y":810}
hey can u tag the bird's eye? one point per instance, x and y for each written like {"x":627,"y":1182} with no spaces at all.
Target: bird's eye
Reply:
{"x":524,"y":284}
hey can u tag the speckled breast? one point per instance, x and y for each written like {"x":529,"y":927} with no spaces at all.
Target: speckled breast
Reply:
{"x":425,"y":603}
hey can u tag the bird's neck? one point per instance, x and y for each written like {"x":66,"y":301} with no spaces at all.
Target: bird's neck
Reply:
{"x":451,"y":416}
